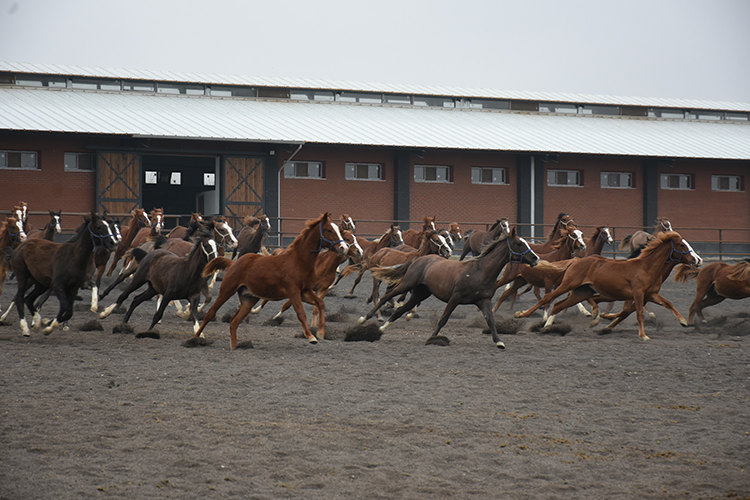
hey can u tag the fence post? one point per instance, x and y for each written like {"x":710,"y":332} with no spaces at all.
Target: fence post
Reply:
{"x":721,"y":246}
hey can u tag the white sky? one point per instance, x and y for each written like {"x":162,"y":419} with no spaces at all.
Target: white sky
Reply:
{"x":694,"y":49}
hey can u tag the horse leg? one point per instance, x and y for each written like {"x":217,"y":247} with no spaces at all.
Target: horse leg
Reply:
{"x":286,"y":305}
{"x":576,"y":295}
{"x":488,"y":312}
{"x":514,"y":286}
{"x":319,"y":306}
{"x":657,"y":298}
{"x":224,"y":295}
{"x":160,"y":311}
{"x":206,"y":296}
{"x":295,"y":296}
{"x":257,"y":308}
{"x":142,"y":297}
{"x":375,"y":291}
{"x":358,"y":279}
{"x":543,"y":302}
{"x":418,"y":294}
{"x":389,"y":294}
{"x":449,"y":308}
{"x":133,"y":286}
{"x":193,"y":305}
{"x":627,"y":309}
{"x":30,"y":299}
{"x":638,"y":304}
{"x":246,"y":305}
{"x":711,"y":298}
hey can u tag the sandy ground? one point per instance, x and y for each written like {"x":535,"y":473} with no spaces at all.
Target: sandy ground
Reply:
{"x":97,"y":414}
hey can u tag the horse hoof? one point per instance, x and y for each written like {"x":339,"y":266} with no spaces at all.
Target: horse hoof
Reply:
{"x":314,"y":340}
{"x":651,"y":315}
{"x":500,"y":345}
{"x":361,"y":320}
{"x":518,"y":314}
{"x":409,"y":316}
{"x":684,"y":323}
{"x":646,"y":337}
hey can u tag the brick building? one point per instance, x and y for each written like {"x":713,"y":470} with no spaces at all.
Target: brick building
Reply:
{"x":81,"y":139}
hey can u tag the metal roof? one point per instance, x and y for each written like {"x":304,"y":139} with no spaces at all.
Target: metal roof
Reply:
{"x":306,"y":83}
{"x":261,"y":120}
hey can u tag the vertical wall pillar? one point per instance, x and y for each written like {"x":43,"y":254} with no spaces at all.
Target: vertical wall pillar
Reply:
{"x":650,"y":192}
{"x":402,"y":176}
{"x":530,"y":194}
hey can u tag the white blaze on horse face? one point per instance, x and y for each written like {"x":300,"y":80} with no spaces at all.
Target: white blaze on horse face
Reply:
{"x":148,"y":221}
{"x":267,"y":223}
{"x":229,"y":234}
{"x":159,"y":222}
{"x":505,"y":226}
{"x":214,"y":249}
{"x":21,"y":232}
{"x":445,"y":248}
{"x":58,"y":227}
{"x":528,"y":249}
{"x":342,"y":245}
{"x":579,"y":238}
{"x":351,"y":224}
{"x":693,"y":254}
{"x":399,"y":238}
{"x":118,"y":234}
{"x":357,"y":249}
{"x":110,"y":233}
{"x":608,"y":236}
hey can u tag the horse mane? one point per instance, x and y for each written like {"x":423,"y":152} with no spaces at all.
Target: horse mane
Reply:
{"x":557,"y":225}
{"x":79,"y":230}
{"x":492,"y":244}
{"x":741,"y":273}
{"x":656,"y":241}
{"x":685,"y":273}
{"x":250,"y":220}
{"x":497,"y":222}
{"x":309,"y":224}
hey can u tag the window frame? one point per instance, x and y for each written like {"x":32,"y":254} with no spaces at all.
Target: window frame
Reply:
{"x":478,"y":179}
{"x":5,"y":158}
{"x":424,"y":180}
{"x":739,"y":179}
{"x":352,"y":166}
{"x":77,"y":155}
{"x":579,"y":175}
{"x":291,"y":168}
{"x":689,"y":177}
{"x":631,"y":176}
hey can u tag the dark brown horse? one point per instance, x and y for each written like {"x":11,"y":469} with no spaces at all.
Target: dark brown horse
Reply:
{"x":638,"y":240}
{"x":196,"y":222}
{"x":250,"y":238}
{"x":276,"y":277}
{"x":595,"y":244}
{"x":635,"y":281}
{"x":101,"y":257}
{"x":477,"y":240}
{"x":50,"y":229}
{"x":61,"y":267}
{"x":413,"y":237}
{"x":715,"y":282}
{"x":139,"y":219}
{"x":172,"y":276}
{"x":325,"y":272}
{"x":153,"y":231}
{"x":471,"y":281}
{"x":11,"y":235}
{"x":391,"y":238}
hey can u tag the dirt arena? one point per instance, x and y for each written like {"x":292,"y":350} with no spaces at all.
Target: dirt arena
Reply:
{"x":97,"y":414}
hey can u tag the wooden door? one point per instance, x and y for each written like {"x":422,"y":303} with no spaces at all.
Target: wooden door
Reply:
{"x":118,"y":178}
{"x":243,"y":187}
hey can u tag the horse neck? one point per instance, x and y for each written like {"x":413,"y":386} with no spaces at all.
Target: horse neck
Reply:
{"x":49,"y":231}
{"x":133,"y":229}
{"x":564,"y":252}
{"x":658,"y":264}
{"x":84,"y":245}
{"x":494,"y":261}
{"x":304,"y":247}
{"x":596,"y":245}
{"x":5,"y":237}
{"x":196,"y":260}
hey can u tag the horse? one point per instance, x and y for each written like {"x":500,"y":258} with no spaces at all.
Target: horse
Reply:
{"x":471,"y":281}
{"x":50,"y":229}
{"x":538,"y":277}
{"x":101,"y":257}
{"x":169,"y":275}
{"x":347,"y":223}
{"x":250,"y":239}
{"x":21,"y":212}
{"x":432,"y":243}
{"x":11,"y":234}
{"x":454,"y":230}
{"x":477,"y":240}
{"x":276,"y":277}
{"x":716,"y":282}
{"x":61,"y":267}
{"x":151,"y":232}
{"x":595,"y":244}
{"x":638,"y":240}
{"x":139,"y":220}
{"x":563,"y":222}
{"x":391,"y":238}
{"x":196,"y":222}
{"x":325,"y":272}
{"x":413,"y":237}
{"x":635,"y":281}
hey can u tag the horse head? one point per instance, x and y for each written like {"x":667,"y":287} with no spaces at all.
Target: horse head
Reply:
{"x":196,"y":216}
{"x":682,"y":250}
{"x":455,"y":232}
{"x":439,"y":245}
{"x":265,"y":222}
{"x":355,"y":251}
{"x":14,"y":227}
{"x":519,"y":249}
{"x":223,"y":233}
{"x":662,"y":225}
{"x":429,"y":223}
{"x":54,"y":219}
{"x":330,"y":236}
{"x":603,"y":233}
{"x":101,"y":231}
{"x":141,"y":218}
{"x":116,"y":224}
{"x":394,"y":233}
{"x":205,"y":239}
{"x":576,"y":235}
{"x":157,"y":214}
{"x":347,"y":223}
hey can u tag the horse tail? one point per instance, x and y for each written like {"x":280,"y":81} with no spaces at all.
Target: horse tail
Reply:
{"x":138,"y":254}
{"x":350,"y":269}
{"x":685,"y":273}
{"x":741,"y":273}
{"x":625,"y":242}
{"x":391,"y":274}
{"x":217,"y":264}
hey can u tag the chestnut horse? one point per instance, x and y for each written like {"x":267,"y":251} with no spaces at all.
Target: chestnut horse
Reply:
{"x":61,"y":267}
{"x":49,"y":231}
{"x":635,"y":281}
{"x":196,"y":222}
{"x":276,"y":277}
{"x":638,"y":240}
{"x":347,"y":223}
{"x":413,"y":238}
{"x":563,"y":222}
{"x":391,"y":238}
{"x":716,"y":282}
{"x":471,"y":281}
{"x":477,"y":240}
{"x":139,"y":220}
{"x":169,"y":275}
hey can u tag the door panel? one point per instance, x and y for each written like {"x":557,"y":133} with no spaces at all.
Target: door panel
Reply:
{"x":118,"y":182}
{"x":243,"y":186}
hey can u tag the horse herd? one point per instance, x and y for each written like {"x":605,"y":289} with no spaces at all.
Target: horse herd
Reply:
{"x":416,"y":264}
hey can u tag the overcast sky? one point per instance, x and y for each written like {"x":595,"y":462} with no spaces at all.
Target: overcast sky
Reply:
{"x":694,"y":49}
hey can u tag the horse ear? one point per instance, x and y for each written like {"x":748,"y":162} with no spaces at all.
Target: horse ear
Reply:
{"x":512,"y":232}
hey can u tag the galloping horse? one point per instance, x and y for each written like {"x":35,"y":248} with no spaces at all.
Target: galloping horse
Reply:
{"x":347,"y":223}
{"x":595,"y":244}
{"x":563,"y":222}
{"x":250,"y":239}
{"x":413,"y":238}
{"x":62,"y":267}
{"x":139,"y":220}
{"x":635,"y":281}
{"x":10,"y":234}
{"x":477,"y":240}
{"x":21,"y":212}
{"x":391,"y":238}
{"x":101,"y":257}
{"x":169,"y":275}
{"x":275,"y":277}
{"x":49,"y":231}
{"x":638,"y":240}
{"x":716,"y":282}
{"x":455,"y":282}
{"x":196,"y":222}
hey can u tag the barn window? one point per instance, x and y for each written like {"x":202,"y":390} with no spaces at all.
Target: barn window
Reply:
{"x":726,"y":183}
{"x":487,"y":175}
{"x":19,"y":159}
{"x":431,"y":173}
{"x":304,"y":170}
{"x":564,"y":178}
{"x":676,"y":181}
{"x":79,"y":162}
{"x":617,"y":180}
{"x":364,"y":171}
